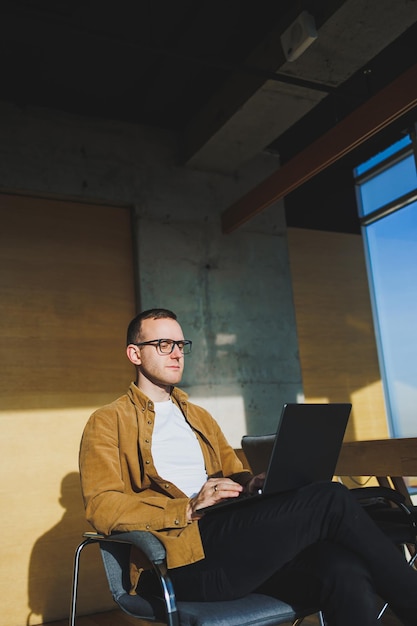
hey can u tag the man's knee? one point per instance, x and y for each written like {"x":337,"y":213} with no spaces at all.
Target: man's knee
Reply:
{"x":332,"y":486}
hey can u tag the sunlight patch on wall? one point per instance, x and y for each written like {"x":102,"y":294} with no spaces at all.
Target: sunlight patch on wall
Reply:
{"x":368,"y":402}
{"x":225,"y":339}
{"x":42,"y":499}
{"x":229,"y":413}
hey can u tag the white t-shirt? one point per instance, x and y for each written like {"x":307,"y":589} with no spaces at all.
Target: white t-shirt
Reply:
{"x":175,"y":449}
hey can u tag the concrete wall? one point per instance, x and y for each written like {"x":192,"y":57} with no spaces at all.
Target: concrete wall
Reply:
{"x":232,"y":292}
{"x":234,"y":298}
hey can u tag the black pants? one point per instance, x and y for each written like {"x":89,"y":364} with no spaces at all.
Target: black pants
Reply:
{"x":314,"y":547}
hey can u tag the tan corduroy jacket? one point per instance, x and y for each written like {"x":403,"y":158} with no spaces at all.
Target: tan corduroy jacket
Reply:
{"x":121,"y":488}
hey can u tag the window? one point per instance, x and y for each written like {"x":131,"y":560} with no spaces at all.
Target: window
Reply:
{"x":387,"y":202}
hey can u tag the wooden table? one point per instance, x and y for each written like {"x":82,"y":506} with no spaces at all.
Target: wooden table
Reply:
{"x":389,"y":460}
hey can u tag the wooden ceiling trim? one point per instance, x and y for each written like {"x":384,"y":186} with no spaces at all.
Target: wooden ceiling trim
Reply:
{"x":398,"y":98}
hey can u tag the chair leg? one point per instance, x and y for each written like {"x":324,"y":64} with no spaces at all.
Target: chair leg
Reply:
{"x":382,"y":611}
{"x":75,"y":576}
{"x":169,"y":594}
{"x":321,"y":619}
{"x":413,"y":559}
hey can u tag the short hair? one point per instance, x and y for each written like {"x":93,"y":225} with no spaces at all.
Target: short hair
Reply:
{"x":135,"y":326}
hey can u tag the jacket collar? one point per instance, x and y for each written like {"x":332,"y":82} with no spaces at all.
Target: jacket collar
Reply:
{"x":140,"y":399}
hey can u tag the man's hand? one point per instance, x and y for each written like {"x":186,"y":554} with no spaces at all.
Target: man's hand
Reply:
{"x":214,"y":490}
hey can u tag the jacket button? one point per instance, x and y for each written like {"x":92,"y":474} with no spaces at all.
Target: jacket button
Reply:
{"x":146,"y":440}
{"x":148,"y":526}
{"x":147,"y":462}
{"x":166,"y":486}
{"x":177,"y":521}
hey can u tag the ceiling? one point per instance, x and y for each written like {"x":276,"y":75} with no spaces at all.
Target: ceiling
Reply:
{"x":213,"y":71}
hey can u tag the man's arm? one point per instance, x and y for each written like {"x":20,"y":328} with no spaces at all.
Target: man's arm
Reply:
{"x":115,"y":494}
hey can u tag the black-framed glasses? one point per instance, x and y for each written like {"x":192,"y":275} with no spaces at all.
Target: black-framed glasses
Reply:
{"x":166,"y":346}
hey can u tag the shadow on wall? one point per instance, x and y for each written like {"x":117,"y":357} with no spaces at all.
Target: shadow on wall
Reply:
{"x":51,"y":564}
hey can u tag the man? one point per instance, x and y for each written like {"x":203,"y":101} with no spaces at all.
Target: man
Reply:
{"x":151,"y":460}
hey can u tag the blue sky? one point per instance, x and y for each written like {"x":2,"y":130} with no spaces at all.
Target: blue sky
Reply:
{"x":391,"y":244}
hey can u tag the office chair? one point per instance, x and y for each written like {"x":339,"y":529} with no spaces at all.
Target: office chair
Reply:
{"x":255,"y":609}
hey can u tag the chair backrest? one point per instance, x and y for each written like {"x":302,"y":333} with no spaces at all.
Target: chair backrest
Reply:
{"x":116,"y":558}
{"x":116,"y":564}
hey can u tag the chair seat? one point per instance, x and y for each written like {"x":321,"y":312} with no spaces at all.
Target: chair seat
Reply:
{"x":257,"y":609}
{"x":253,"y":609}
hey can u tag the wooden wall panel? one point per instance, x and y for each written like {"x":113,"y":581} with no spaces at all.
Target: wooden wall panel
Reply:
{"x":67,"y":295}
{"x":336,"y":336}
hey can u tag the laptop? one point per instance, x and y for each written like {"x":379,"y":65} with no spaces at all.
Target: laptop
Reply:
{"x":304,"y":449}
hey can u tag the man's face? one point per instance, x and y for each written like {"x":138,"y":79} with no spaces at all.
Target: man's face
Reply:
{"x":160,"y":369}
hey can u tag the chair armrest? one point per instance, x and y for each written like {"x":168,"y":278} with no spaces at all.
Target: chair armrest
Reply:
{"x":373,"y":498}
{"x":378,"y":493}
{"x":142,"y":539}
